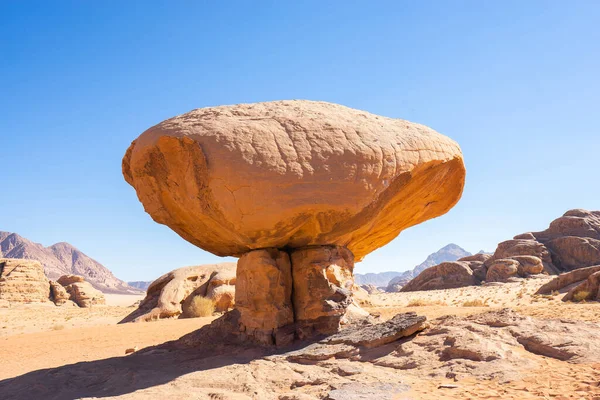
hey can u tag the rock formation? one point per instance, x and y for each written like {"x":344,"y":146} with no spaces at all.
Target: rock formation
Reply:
{"x":300,"y":190}
{"x":23,"y":281}
{"x":172,"y":294}
{"x":81,"y":292}
{"x":571,"y":242}
{"x":63,"y":259}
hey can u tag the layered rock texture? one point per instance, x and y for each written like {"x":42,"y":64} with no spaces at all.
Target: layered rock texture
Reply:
{"x":571,"y":242}
{"x":63,"y":259}
{"x":172,"y":295}
{"x":311,"y":185}
{"x":24,"y":281}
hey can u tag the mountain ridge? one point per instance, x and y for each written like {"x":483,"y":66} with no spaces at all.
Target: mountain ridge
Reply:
{"x":63,"y":258}
{"x":450,"y":252}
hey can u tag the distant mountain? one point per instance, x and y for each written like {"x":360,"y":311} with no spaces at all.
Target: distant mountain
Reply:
{"x":380,"y":279}
{"x":450,"y":252}
{"x":142,"y":285}
{"x":62,"y":259}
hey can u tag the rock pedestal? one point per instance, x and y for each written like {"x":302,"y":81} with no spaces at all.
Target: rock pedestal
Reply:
{"x":302,"y":293}
{"x":322,"y":288}
{"x":263,"y":295}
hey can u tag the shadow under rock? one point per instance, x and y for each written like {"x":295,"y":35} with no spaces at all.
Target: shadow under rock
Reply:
{"x":208,"y":348}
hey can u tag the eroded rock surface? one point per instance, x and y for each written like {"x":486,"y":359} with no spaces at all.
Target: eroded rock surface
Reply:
{"x":81,"y":292}
{"x":263,"y":294}
{"x":289,"y":174}
{"x":323,"y":284}
{"x":171,"y":295}
{"x":571,"y":242}
{"x":23,"y":281}
{"x":446,"y":275}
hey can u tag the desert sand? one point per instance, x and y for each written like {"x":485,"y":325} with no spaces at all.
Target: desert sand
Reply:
{"x":79,"y":353}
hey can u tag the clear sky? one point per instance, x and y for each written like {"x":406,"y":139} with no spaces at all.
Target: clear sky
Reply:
{"x":515,"y":83}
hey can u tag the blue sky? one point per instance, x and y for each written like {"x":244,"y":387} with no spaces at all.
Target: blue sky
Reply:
{"x":514,"y":83}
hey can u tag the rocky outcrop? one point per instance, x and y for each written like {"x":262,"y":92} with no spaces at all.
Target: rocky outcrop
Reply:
{"x":571,"y":242}
{"x":370,"y":289}
{"x":23,"y":281}
{"x":580,"y":284}
{"x":446,"y":275}
{"x":63,"y":259}
{"x":81,"y":292}
{"x":171,"y":295}
{"x":309,"y":183}
{"x":501,"y":270}
{"x":58,"y":293}
{"x":450,"y":252}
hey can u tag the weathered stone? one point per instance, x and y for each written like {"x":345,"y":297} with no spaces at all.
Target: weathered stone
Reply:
{"x":374,"y":335}
{"x":223,"y":297}
{"x":566,"y":279}
{"x":520,"y":247}
{"x":84,"y":294}
{"x":66,"y":280}
{"x":529,"y":265}
{"x":447,"y":275}
{"x":586,"y":290}
{"x":58,"y":293}
{"x":502,"y":269}
{"x":367,"y":391}
{"x":480,"y":257}
{"x":172,"y":294}
{"x":323,"y":284}
{"x":263,"y":294}
{"x":23,"y":281}
{"x":572,"y":252}
{"x":290,"y":174}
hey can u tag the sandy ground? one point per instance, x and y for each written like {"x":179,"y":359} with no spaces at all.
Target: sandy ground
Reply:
{"x":38,"y":337}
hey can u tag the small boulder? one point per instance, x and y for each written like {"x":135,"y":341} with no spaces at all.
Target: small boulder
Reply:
{"x":501,"y":270}
{"x":447,"y":275}
{"x":58,"y":293}
{"x":529,"y":265}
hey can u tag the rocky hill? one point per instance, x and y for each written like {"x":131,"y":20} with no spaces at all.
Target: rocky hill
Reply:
{"x":451,"y":252}
{"x":63,"y":259}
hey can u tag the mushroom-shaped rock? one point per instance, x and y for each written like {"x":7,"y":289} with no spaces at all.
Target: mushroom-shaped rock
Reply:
{"x":290,"y":174}
{"x":300,"y":190}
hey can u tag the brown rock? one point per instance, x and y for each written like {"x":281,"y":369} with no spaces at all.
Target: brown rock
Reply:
{"x":66,"y":280}
{"x":171,"y":295}
{"x":578,"y":223}
{"x":23,"y":281}
{"x":572,"y":252}
{"x":84,"y":294}
{"x":58,"y":294}
{"x":529,"y":265}
{"x":290,"y":174}
{"x":263,"y":294}
{"x":568,"y":278}
{"x":520,"y":247}
{"x":586,"y":290}
{"x":223,"y":296}
{"x":501,"y":270}
{"x":480,"y":257}
{"x":323,"y":284}
{"x":375,"y":335}
{"x":447,"y":275}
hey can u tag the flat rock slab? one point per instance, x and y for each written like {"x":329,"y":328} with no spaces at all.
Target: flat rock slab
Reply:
{"x":370,"y":391}
{"x":401,"y":325}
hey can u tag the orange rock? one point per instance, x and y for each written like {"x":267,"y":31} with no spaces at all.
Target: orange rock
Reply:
{"x":323,"y":284}
{"x":290,"y":174}
{"x":263,"y":294}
